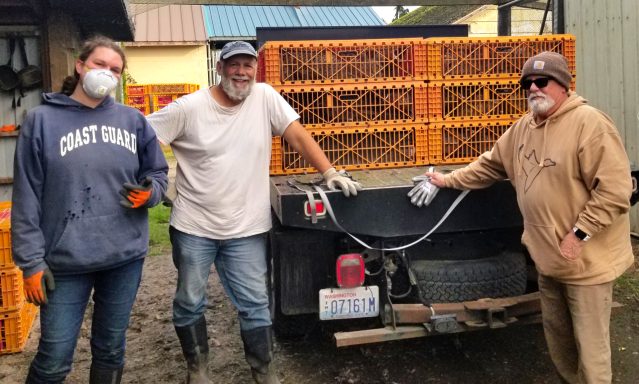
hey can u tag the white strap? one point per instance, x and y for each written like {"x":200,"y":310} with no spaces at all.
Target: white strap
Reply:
{"x":311,"y":202}
{"x":329,"y":209}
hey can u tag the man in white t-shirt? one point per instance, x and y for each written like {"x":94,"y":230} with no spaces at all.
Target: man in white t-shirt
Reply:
{"x":221,"y":138}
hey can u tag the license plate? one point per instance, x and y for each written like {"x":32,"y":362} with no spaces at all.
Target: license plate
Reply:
{"x":348,"y":303}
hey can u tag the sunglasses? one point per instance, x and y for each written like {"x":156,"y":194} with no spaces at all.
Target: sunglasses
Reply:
{"x":540,"y":82}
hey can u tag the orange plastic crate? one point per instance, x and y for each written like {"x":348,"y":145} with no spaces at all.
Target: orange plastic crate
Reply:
{"x":144,"y":108}
{"x":160,"y":101}
{"x":15,"y":327}
{"x":460,"y":143}
{"x":357,"y":148}
{"x":155,"y":108}
{"x":494,"y":57}
{"x":163,"y":99}
{"x":277,"y":158}
{"x":360,"y":105}
{"x":11,"y":294}
{"x":475,"y":100}
{"x":6,"y":259}
{"x":342,"y":61}
{"x":172,"y":88}
{"x":137,"y":100}
{"x":136,"y":89}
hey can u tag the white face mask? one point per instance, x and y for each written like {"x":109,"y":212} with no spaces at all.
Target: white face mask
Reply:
{"x":99,"y":83}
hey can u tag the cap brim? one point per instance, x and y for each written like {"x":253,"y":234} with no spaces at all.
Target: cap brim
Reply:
{"x":239,"y":52}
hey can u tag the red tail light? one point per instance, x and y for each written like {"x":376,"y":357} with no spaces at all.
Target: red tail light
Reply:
{"x":319,"y":209}
{"x":350,"y":270}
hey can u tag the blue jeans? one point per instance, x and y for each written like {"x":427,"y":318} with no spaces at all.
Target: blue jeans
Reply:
{"x":241,"y":265}
{"x":114,"y":292}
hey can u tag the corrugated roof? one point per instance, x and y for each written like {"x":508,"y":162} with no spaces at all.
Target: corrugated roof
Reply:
{"x":171,"y":24}
{"x":229,"y":22}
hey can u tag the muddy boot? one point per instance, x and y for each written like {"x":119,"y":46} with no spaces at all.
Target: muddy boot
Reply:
{"x":195,"y":346}
{"x":100,"y":375}
{"x":258,"y":349}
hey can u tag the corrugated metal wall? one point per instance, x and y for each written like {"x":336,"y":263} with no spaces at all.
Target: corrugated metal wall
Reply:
{"x":608,"y":64}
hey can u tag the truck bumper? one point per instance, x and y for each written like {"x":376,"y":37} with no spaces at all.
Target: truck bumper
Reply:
{"x":410,"y":321}
{"x":407,"y":321}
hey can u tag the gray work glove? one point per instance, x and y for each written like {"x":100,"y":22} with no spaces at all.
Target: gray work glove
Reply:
{"x":424,"y":192}
{"x":335,"y":180}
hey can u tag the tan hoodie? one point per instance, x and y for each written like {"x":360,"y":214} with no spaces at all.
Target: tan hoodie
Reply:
{"x":571,"y":169}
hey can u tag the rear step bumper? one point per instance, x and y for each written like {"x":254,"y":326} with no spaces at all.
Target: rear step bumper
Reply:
{"x":407,"y":321}
{"x":416,"y":320}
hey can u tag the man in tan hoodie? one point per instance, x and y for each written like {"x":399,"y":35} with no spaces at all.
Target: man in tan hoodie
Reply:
{"x":571,"y":173}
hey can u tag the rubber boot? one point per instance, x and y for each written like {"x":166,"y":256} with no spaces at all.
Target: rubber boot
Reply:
{"x":195,"y":347}
{"x":99,"y":375}
{"x":258,"y":350}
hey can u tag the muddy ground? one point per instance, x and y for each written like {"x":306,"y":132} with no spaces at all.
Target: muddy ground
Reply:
{"x":511,"y":355}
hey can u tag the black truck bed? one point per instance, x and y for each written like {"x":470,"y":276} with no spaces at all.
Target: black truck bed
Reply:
{"x":383,"y":209}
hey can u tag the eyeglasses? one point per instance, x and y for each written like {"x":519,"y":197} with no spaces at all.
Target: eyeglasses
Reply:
{"x":540,"y":82}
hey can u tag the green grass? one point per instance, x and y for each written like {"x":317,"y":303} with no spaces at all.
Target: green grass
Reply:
{"x":627,"y":287}
{"x":159,"y":230}
{"x":168,"y":153}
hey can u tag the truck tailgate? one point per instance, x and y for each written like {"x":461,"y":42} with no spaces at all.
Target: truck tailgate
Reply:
{"x":383,"y":209}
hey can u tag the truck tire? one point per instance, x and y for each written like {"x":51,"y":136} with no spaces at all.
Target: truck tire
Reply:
{"x":443,"y":281}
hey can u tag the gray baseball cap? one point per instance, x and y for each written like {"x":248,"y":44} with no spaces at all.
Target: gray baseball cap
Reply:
{"x":237,"y":48}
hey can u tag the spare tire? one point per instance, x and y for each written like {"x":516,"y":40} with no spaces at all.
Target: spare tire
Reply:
{"x":442,"y":281}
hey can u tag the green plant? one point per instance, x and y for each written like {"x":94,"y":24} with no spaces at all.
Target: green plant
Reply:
{"x":159,"y":230}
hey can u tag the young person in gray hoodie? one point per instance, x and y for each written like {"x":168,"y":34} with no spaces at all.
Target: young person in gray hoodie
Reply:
{"x":86,"y":170}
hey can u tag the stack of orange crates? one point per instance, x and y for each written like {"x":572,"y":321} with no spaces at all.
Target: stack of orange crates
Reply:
{"x":149,"y":98}
{"x":474,"y":94}
{"x":163,"y":94}
{"x":401,"y":102}
{"x":16,"y":315}
{"x":363,"y":101}
{"x":136,"y":96}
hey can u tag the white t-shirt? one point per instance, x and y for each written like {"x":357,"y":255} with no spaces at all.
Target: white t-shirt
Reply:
{"x":223,"y":157}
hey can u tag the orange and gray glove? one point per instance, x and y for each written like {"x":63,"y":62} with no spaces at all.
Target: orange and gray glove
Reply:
{"x":335,"y":180}
{"x":136,"y":196}
{"x":37,"y":285}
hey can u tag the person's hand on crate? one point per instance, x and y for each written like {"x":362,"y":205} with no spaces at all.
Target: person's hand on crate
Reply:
{"x":37,"y":285}
{"x":136,"y":196}
{"x":335,"y":180}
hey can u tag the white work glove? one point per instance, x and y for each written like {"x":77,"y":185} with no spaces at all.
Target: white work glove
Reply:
{"x":424,"y":192}
{"x":335,"y":180}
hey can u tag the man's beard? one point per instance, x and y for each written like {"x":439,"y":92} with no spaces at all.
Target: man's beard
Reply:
{"x":540,"y":107}
{"x":232,"y":91}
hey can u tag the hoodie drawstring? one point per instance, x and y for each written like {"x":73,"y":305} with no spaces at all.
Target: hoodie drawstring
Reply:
{"x":543,"y":145}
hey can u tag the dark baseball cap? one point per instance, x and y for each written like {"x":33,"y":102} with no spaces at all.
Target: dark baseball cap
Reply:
{"x":237,"y":48}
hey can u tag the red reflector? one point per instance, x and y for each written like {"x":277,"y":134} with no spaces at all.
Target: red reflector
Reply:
{"x":319,"y":208}
{"x":350,"y":270}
